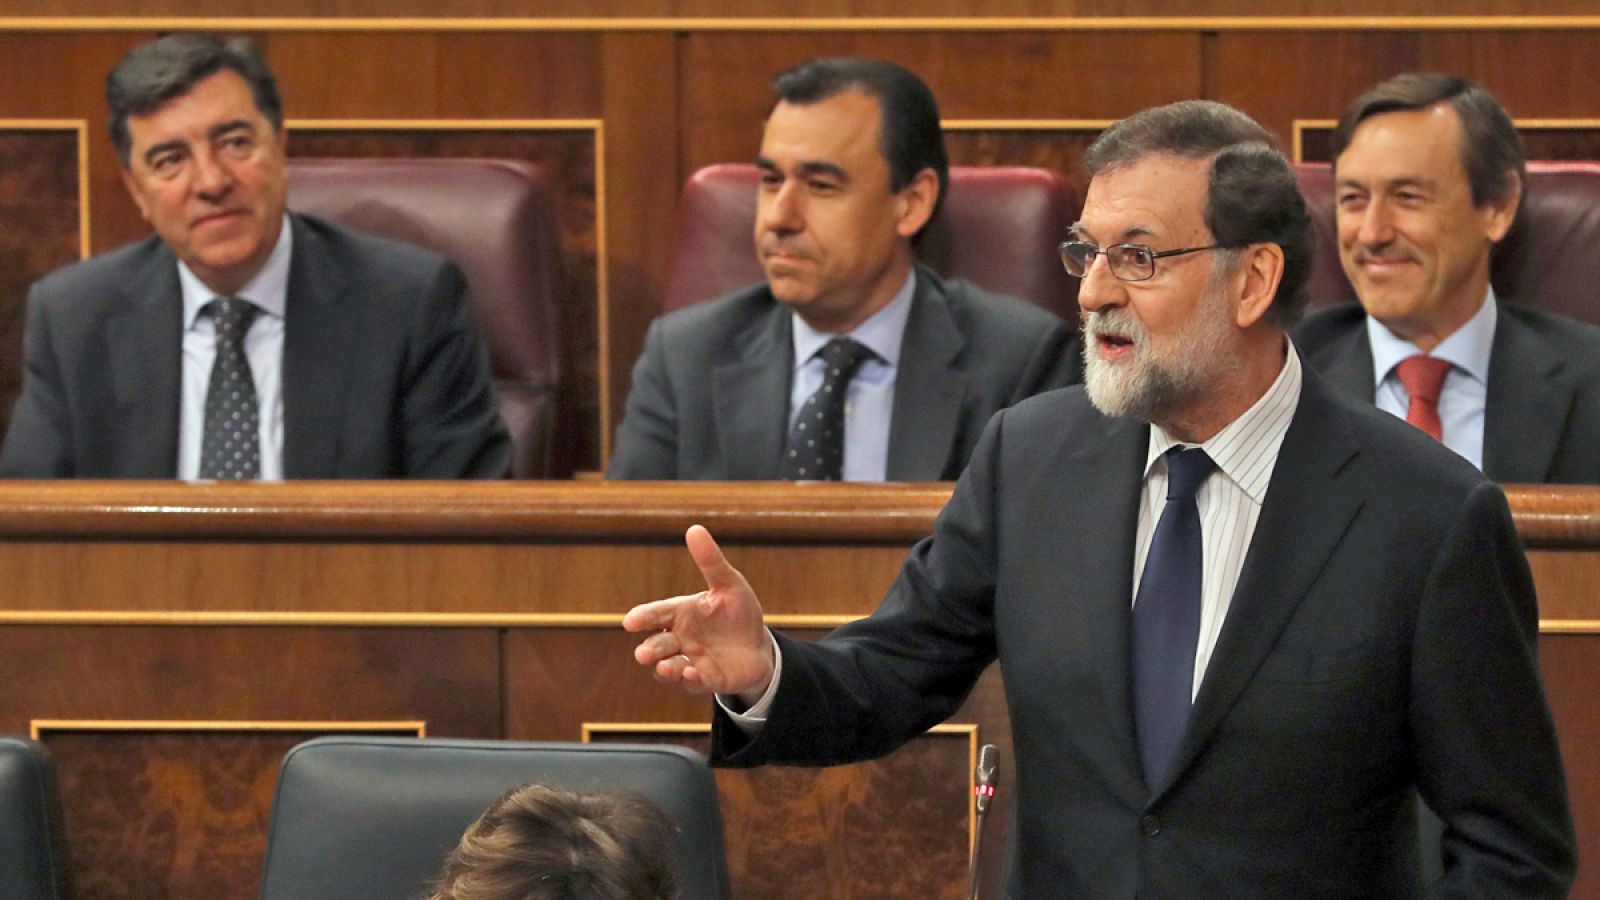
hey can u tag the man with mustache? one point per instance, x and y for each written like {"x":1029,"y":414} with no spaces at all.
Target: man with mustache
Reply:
{"x":242,"y":341}
{"x":1429,"y":173}
{"x":1243,"y":619}
{"x":851,"y":361}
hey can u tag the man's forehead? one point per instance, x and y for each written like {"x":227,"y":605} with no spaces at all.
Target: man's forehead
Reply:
{"x":1411,"y":144}
{"x":845,"y":125}
{"x":1156,"y":195}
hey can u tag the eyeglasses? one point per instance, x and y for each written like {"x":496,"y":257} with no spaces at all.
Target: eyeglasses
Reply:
{"x":1128,"y":262}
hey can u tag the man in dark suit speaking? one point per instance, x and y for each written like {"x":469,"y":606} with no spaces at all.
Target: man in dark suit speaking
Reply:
{"x":850,"y":361}
{"x":1243,"y":620}
{"x":242,"y":341}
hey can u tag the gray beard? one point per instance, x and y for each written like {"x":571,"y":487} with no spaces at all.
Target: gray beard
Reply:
{"x":1150,"y":386}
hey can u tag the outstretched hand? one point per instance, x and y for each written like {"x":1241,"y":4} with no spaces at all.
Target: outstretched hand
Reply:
{"x":713,"y":641}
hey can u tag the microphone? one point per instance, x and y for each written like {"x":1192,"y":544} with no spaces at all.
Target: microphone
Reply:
{"x":983,"y":786}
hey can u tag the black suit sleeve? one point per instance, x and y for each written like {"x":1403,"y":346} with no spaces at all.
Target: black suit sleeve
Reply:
{"x":37,"y":440}
{"x":876,"y":683}
{"x":647,"y":440}
{"x":1486,"y":752}
{"x":450,"y":421}
{"x":1056,"y":362}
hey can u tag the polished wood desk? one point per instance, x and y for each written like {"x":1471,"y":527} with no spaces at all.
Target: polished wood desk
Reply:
{"x":169,"y":642}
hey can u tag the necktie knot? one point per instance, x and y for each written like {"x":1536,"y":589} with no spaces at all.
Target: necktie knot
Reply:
{"x":841,"y":357}
{"x":1423,"y":376}
{"x":232,"y":317}
{"x":1187,"y":467}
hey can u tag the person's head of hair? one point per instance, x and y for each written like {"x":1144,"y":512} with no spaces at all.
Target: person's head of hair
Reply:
{"x":153,"y":74}
{"x":542,"y":843}
{"x":1490,"y":145}
{"x":1252,"y":196}
{"x":909,"y":132}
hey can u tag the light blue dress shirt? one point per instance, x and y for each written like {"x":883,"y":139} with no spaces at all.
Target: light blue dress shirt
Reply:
{"x":263,"y":345}
{"x":869,"y":400}
{"x":1466,"y":386}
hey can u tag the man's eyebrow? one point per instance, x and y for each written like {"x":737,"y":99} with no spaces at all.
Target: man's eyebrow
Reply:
{"x":1404,"y":181}
{"x":811,"y":168}
{"x":156,"y":150}
{"x":223,"y":128}
{"x":1079,"y":232}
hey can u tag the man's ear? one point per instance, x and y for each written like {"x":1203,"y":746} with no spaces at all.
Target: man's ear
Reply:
{"x":917,"y":200}
{"x":1260,"y":270}
{"x":1499,"y":214}
{"x":132,"y":184}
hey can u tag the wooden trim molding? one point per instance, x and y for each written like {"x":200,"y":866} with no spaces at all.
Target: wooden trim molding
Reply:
{"x":38,"y":728}
{"x":1301,"y":126}
{"x":792,"y":24}
{"x":81,"y":127}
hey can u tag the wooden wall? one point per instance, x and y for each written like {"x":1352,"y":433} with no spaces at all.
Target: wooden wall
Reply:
{"x":622,"y":108}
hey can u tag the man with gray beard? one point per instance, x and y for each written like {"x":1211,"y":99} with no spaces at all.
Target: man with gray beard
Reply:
{"x":1244,"y":622}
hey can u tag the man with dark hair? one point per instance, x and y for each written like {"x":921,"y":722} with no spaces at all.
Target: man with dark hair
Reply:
{"x":1429,"y":173}
{"x":243,"y":341}
{"x":1243,"y":620}
{"x":851,"y":361}
{"x":541,"y":843}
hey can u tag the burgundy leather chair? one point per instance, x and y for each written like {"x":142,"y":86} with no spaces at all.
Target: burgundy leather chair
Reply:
{"x":998,"y":229}
{"x":495,"y":219}
{"x":1549,"y":260}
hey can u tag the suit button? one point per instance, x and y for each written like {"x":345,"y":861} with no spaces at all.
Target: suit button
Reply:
{"x":1150,"y":825}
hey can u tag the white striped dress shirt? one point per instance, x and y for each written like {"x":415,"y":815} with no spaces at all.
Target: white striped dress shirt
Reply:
{"x":1229,"y":500}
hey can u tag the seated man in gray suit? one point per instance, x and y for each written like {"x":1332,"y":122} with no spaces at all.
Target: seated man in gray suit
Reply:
{"x":851,"y":361}
{"x":1429,"y":173}
{"x":242,"y":341}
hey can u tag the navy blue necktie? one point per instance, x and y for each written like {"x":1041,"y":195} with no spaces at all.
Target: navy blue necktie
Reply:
{"x":816,"y":444}
{"x":1166,"y":617}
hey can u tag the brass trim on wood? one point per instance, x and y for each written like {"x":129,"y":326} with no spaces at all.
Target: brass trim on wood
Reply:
{"x":37,"y":727}
{"x":789,"y":24}
{"x":216,"y":618}
{"x":1301,"y":126}
{"x":81,"y":126}
{"x":1569,"y":626}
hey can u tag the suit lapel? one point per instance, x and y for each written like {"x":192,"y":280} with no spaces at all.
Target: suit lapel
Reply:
{"x":1347,"y":364}
{"x":750,"y":425}
{"x":318,"y":346}
{"x":1306,"y":514}
{"x":928,"y":388}
{"x":145,"y":347}
{"x":1528,"y":402}
{"x":1107,"y":481}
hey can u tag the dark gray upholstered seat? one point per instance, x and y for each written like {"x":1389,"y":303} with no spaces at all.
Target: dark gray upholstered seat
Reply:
{"x":372,"y":818}
{"x":32,"y":861}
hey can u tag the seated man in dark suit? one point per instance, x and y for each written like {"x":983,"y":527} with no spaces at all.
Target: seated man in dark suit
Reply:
{"x":851,"y":361}
{"x":1428,"y":175}
{"x":1243,"y":619}
{"x":242,"y":341}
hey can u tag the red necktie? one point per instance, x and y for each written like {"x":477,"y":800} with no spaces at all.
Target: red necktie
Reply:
{"x":1422,"y":377}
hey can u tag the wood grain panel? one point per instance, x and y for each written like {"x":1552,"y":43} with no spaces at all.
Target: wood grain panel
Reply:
{"x":568,"y":156}
{"x":642,"y":113}
{"x":1278,"y":77}
{"x":1059,"y":149}
{"x":447,"y":678}
{"x":1572,"y":681}
{"x":894,"y":827}
{"x":40,"y":227}
{"x":1546,"y":139}
{"x":1093,"y":75}
{"x":161,"y":814}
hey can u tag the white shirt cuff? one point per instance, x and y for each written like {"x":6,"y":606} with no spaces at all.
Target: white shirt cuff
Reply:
{"x":751,"y":720}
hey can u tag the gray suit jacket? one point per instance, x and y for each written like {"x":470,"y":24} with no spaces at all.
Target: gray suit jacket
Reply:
{"x":1380,"y":643}
{"x":710,"y":398}
{"x":1542,"y":417}
{"x":383,"y":374}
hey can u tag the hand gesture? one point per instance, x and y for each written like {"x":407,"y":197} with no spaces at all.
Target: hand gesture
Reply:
{"x":713,"y":641}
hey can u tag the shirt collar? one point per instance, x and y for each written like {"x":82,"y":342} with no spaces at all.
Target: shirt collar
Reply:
{"x":268,"y":290}
{"x":1246,"y":449}
{"x":1466,"y":349}
{"x":882,"y":332}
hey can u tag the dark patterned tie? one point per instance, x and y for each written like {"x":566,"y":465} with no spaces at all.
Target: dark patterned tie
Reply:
{"x":230,"y":447}
{"x":816,"y":444}
{"x":1166,"y":617}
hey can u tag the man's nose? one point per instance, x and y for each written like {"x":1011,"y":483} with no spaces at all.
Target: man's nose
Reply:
{"x":1376,"y":227}
{"x":1098,"y":288}
{"x":783,"y":209}
{"x":212,"y":178}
